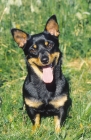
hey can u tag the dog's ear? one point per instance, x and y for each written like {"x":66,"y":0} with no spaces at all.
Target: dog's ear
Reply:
{"x":52,"y":26}
{"x":20,"y":37}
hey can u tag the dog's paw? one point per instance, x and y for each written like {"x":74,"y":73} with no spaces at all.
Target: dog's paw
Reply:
{"x":57,"y":130}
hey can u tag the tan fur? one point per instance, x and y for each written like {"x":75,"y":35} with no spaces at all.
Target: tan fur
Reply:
{"x":57,"y":124}
{"x":33,"y":62}
{"x":59,"y":101}
{"x":20,"y":38}
{"x":37,"y":123}
{"x":33,"y":102}
{"x":46,"y":43}
{"x":52,"y":28}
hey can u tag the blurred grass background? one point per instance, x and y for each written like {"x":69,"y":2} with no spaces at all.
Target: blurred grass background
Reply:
{"x":74,"y":18}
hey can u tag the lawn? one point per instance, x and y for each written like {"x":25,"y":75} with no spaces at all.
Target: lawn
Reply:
{"x":74,"y":18}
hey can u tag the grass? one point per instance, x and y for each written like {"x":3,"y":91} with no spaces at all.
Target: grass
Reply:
{"x":74,"y":18}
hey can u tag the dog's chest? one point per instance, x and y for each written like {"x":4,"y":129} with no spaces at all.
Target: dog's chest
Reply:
{"x":45,"y":92}
{"x":39,"y":91}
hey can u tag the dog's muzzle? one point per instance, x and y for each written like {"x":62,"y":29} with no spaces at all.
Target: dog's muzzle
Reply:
{"x":43,"y":55}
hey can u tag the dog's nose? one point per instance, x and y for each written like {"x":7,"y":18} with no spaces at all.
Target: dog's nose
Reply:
{"x":44,"y":59}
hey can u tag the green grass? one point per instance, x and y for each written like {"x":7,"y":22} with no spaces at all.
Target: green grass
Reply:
{"x":74,"y":18}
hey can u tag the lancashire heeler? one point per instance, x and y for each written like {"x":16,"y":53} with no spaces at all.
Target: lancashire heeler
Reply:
{"x":45,"y":90}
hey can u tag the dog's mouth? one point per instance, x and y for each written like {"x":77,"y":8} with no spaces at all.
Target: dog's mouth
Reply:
{"x":47,"y":72}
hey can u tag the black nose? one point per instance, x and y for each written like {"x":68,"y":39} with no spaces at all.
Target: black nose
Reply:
{"x":44,"y":59}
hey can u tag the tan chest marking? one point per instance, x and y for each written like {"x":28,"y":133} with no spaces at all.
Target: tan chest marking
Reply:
{"x":33,"y":103}
{"x":59,"y":101}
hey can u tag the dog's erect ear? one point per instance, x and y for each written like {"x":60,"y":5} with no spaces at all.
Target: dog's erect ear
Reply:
{"x":20,"y":37}
{"x":52,"y":26}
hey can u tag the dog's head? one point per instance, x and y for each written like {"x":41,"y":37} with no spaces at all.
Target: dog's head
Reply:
{"x":41,"y":50}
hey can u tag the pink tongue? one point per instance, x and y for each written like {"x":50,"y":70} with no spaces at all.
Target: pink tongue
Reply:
{"x":47,"y":75}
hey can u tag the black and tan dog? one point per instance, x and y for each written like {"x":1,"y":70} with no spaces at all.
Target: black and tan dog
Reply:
{"x":45,"y":90}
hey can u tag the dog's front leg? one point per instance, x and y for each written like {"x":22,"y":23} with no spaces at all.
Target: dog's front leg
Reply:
{"x":34,"y":117}
{"x":58,"y":120}
{"x":36,"y":123}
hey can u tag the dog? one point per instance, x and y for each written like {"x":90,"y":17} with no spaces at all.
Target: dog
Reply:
{"x":45,"y":90}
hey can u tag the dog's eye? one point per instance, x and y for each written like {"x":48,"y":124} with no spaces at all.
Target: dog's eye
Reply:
{"x":32,"y":51}
{"x":49,"y":44}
